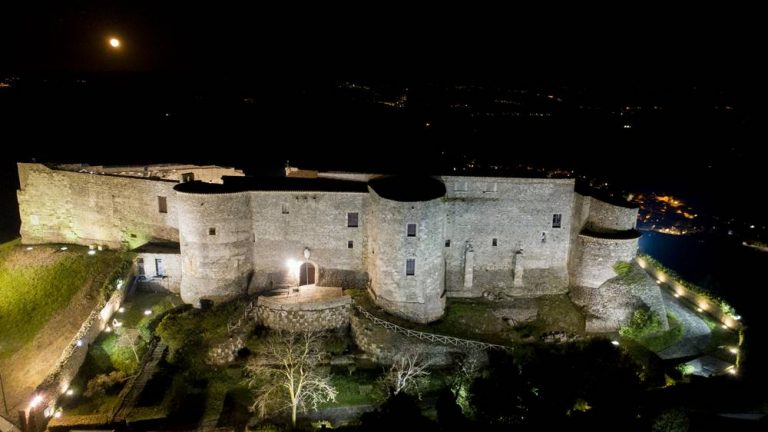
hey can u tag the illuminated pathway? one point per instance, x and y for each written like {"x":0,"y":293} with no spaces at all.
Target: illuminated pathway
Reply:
{"x":696,"y":333}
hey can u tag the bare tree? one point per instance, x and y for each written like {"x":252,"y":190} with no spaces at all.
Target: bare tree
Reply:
{"x":406,"y":370}
{"x":285,"y":374}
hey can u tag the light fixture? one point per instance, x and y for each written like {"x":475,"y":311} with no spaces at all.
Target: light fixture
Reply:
{"x":615,"y":342}
{"x":147,"y":312}
{"x":35,"y":401}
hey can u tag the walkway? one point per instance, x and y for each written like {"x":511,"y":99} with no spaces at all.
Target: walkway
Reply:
{"x":136,"y":386}
{"x":696,"y":333}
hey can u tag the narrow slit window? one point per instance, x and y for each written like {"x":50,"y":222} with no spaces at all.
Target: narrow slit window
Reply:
{"x":447,"y":243}
{"x":557,"y":220}
{"x":410,"y":267}
{"x":284,"y":209}
{"x":353,"y":220}
{"x":350,"y":244}
{"x":410,"y":230}
{"x":495,"y":242}
{"x":162,"y":204}
{"x":211,"y":231}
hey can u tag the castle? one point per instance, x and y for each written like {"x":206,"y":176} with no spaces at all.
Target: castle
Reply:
{"x":211,"y":233}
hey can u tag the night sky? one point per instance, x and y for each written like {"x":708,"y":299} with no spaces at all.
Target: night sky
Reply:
{"x":268,"y":80}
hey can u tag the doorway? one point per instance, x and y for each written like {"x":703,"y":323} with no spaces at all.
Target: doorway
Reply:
{"x":306,"y":274}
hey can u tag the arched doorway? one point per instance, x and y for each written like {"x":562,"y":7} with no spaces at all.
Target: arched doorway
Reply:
{"x":306,"y":274}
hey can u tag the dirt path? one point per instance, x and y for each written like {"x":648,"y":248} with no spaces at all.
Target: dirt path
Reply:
{"x":26,"y":369}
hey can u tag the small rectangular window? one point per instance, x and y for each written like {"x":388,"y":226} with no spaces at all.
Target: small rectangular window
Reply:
{"x":447,"y":243}
{"x":352,"y":220}
{"x":495,"y":242}
{"x":211,"y":231}
{"x":284,"y":209}
{"x":557,"y":220}
{"x":411,"y":230}
{"x":410,"y":267}
{"x":350,"y":244}
{"x":187,"y":177}
{"x":162,"y":204}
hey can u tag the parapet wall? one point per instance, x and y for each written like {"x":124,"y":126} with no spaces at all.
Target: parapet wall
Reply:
{"x":609,"y":218}
{"x":83,"y":208}
{"x":275,"y":313}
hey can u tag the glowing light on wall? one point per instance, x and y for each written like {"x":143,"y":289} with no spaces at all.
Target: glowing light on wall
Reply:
{"x":35,"y":401}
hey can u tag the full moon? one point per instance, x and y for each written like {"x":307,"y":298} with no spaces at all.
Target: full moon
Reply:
{"x":114,"y":42}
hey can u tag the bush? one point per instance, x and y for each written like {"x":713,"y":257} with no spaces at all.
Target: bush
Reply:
{"x":100,"y":384}
{"x":685,"y":369}
{"x":673,"y":420}
{"x":643,"y":323}
{"x":622,"y":268}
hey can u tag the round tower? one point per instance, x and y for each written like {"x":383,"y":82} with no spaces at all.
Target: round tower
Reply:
{"x":608,"y":236}
{"x":406,"y":232}
{"x":216,"y":243}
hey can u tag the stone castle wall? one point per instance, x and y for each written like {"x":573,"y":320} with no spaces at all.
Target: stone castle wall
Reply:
{"x":284,"y":223}
{"x":216,"y":245}
{"x":150,"y":280}
{"x":82,"y":208}
{"x":594,"y":258}
{"x":517,"y":213}
{"x":609,"y":218}
{"x":418,"y":297}
{"x":320,"y":315}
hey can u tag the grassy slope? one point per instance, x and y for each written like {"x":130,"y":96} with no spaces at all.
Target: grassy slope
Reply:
{"x":37,"y":283}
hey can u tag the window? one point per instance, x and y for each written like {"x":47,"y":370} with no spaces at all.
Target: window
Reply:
{"x":284,"y":209}
{"x":34,"y":219}
{"x":447,"y":243}
{"x":557,"y":220}
{"x":410,"y":267}
{"x":495,"y":242}
{"x":159,"y":267}
{"x":410,"y":230}
{"x":211,"y":231}
{"x":543,"y":237}
{"x":350,"y":244}
{"x":187,"y":177}
{"x":490,"y":187}
{"x":162,"y":204}
{"x":353,"y":220}
{"x":460,"y":186}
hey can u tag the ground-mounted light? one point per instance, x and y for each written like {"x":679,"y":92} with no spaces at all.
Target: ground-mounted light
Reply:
{"x":732,"y":370}
{"x":676,"y":295}
{"x":615,"y":343}
{"x":725,"y":327}
{"x":35,"y":401}
{"x":733,"y":350}
{"x":79,"y":342}
{"x":121,"y":309}
{"x":29,"y":248}
{"x":91,"y":247}
{"x":70,"y":392}
{"x":108,"y":329}
{"x":57,"y":414}
{"x":148,"y":312}
{"x":699,"y":310}
{"x":119,"y":284}
{"x":99,"y":247}
{"x":91,"y":252}
{"x":63,"y":248}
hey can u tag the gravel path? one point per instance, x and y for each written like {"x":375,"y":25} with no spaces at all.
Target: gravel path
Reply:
{"x":695,"y":335}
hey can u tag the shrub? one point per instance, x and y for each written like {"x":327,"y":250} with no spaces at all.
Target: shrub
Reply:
{"x":685,"y":369}
{"x":643,"y":323}
{"x":622,"y":268}
{"x":100,"y":384}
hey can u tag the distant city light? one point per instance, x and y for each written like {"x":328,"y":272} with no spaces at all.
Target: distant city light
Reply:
{"x":114,"y":42}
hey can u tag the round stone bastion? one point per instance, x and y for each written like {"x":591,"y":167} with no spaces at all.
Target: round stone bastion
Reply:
{"x":310,"y":309}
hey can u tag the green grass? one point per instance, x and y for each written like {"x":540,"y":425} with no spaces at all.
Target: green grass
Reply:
{"x":35,"y":284}
{"x":358,"y":388}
